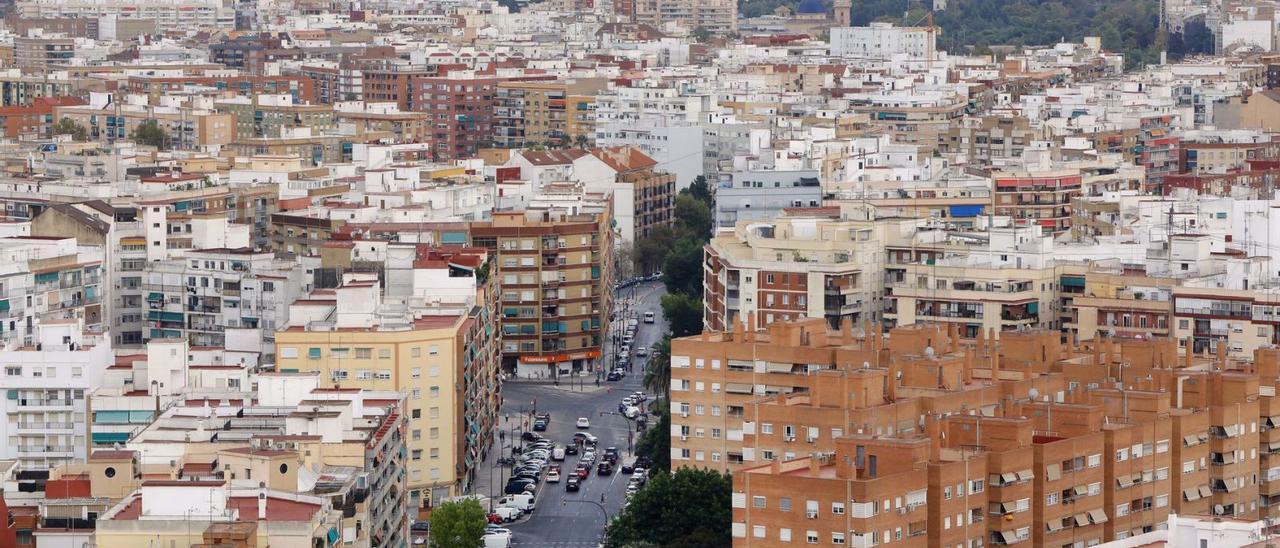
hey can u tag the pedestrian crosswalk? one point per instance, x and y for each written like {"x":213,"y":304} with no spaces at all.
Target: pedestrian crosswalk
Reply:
{"x":556,"y":544}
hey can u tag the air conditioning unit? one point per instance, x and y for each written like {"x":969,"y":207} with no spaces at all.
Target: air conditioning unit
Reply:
{"x":811,"y":515}
{"x":684,"y":414}
{"x":684,"y":437}
{"x":788,"y":438}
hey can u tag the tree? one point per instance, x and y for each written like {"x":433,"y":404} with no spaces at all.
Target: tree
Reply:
{"x":702,"y":191}
{"x":651,"y":251}
{"x":682,"y":269}
{"x":693,"y":217}
{"x":67,"y":126}
{"x":690,"y":507}
{"x":150,"y":133}
{"x":683,"y":313}
{"x":657,"y":369}
{"x":581,"y":140}
{"x":458,"y":524}
{"x":701,"y":34}
{"x":655,"y":442}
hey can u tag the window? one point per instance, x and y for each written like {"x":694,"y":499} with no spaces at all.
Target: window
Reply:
{"x":837,"y":508}
{"x":1122,"y":455}
{"x":784,"y":504}
{"x":975,"y":486}
{"x":811,"y":537}
{"x":757,"y":531}
{"x":415,"y":372}
{"x":13,"y":371}
{"x":364,"y":353}
{"x":837,"y":538}
{"x":416,"y":413}
{"x":784,"y":535}
{"x":435,"y":434}
{"x":757,"y":502}
{"x":313,"y":353}
{"x":1095,"y":460}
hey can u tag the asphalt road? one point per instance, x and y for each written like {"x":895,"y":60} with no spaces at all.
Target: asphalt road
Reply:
{"x":558,"y":522}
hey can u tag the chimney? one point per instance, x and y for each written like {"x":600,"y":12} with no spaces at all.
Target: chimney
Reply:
{"x":1189,"y":351}
{"x":1220,"y":352}
{"x":775,"y":467}
{"x":846,"y":330}
{"x":933,"y":429}
{"x":891,"y":391}
{"x":751,"y":328}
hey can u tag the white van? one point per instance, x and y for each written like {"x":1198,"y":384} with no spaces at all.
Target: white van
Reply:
{"x":497,"y":540}
{"x":648,"y":317}
{"x":557,"y":453}
{"x":522,"y":502}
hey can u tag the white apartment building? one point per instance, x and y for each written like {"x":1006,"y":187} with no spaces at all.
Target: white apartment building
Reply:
{"x":201,"y":295}
{"x":676,"y":148}
{"x":45,"y":279}
{"x":881,"y":41}
{"x":45,"y":385}
{"x":170,"y":15}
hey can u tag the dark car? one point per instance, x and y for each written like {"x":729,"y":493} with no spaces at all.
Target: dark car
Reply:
{"x":530,"y":436}
{"x":528,"y":474}
{"x":517,"y":488}
{"x":573,"y":484}
{"x":421,"y":526}
{"x":543,"y":416}
{"x":628,"y":468}
{"x":611,"y":455}
{"x":613,"y":376}
{"x":604,"y":468}
{"x":571,"y":449}
{"x":540,"y":426}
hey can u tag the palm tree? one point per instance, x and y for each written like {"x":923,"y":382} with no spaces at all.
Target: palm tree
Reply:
{"x":657,"y":370}
{"x":581,"y":140}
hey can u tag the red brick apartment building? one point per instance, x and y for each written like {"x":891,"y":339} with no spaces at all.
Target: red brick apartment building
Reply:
{"x":918,"y":437}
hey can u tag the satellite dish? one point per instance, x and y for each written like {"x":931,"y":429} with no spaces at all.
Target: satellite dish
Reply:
{"x":1033,"y":393}
{"x":866,"y":365}
{"x":928,"y":351}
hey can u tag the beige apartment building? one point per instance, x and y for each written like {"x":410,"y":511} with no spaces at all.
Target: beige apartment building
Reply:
{"x":823,"y":264}
{"x":441,"y":354}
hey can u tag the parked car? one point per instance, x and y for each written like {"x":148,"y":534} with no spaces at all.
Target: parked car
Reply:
{"x":613,"y":376}
{"x":584,"y":422}
{"x":522,"y":502}
{"x":543,"y":416}
{"x":507,"y":514}
{"x":530,"y":436}
{"x":421,"y":526}
{"x":571,"y":449}
{"x":642,"y":352}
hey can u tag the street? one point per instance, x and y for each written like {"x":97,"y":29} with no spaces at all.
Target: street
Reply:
{"x":558,"y":521}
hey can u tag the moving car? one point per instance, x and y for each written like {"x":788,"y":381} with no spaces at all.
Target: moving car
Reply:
{"x":584,"y":422}
{"x":611,"y":455}
{"x":571,"y":449}
{"x":586,"y":437}
{"x":553,"y":476}
{"x":421,"y":526}
{"x":573,"y":484}
{"x":642,"y":352}
{"x":648,"y":317}
{"x":631,"y":412}
{"x":497,"y":539}
{"x":582,"y":472}
{"x":540,"y":425}
{"x":604,"y":468}
{"x":530,"y":436}
{"x":559,"y":452}
{"x":613,"y":376}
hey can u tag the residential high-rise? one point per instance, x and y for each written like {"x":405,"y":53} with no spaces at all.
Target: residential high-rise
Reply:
{"x":555,"y":268}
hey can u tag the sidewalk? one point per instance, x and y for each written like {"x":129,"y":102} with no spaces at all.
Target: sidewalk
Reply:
{"x":587,"y":387}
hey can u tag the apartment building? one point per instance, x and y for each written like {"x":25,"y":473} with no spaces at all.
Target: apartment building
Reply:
{"x":883,"y":41}
{"x":432,"y":344}
{"x":187,"y":127}
{"x":1130,"y":434}
{"x":643,"y":197}
{"x":977,"y":297}
{"x":799,"y":266}
{"x":556,"y":273}
{"x":464,"y":104}
{"x":385,"y":118}
{"x":156,"y":85}
{"x":1041,"y":198}
{"x":17,"y":89}
{"x":206,"y":292}
{"x":553,"y":114}
{"x":271,"y":115}
{"x":717,"y":16}
{"x":38,"y":52}
{"x":309,"y":465}
{"x":46,"y":380}
{"x":754,"y":195}
{"x":47,"y":279}
{"x":169,"y":16}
